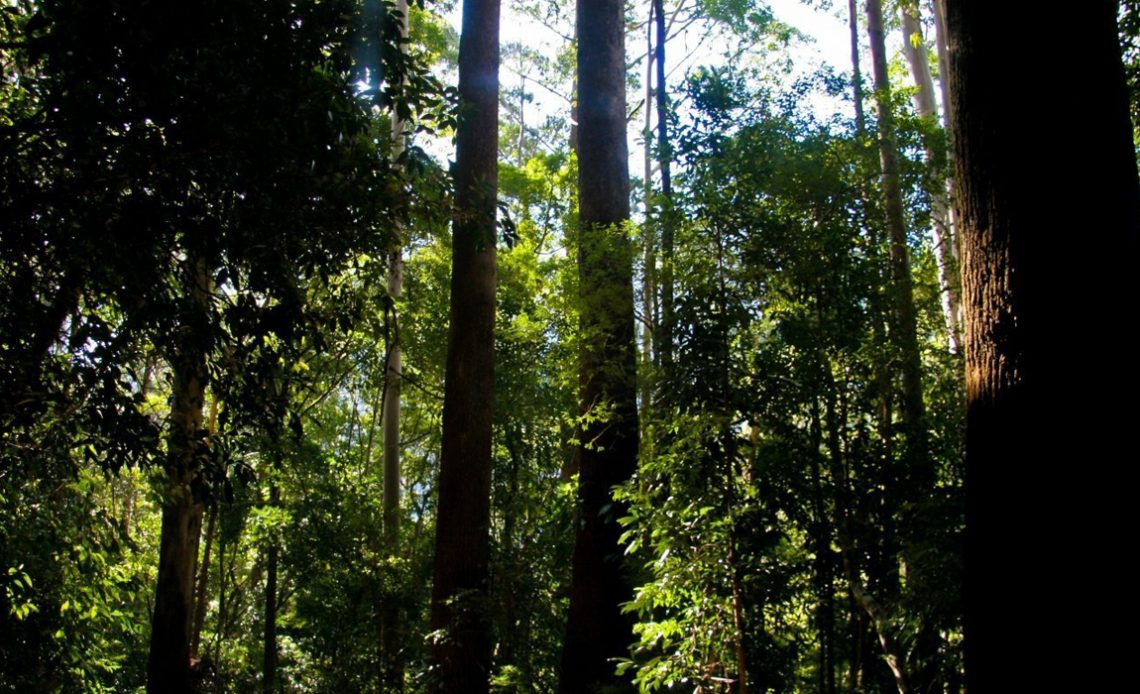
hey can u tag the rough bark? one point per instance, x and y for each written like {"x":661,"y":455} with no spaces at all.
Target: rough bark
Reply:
{"x":941,"y":230}
{"x":1050,"y":215}
{"x":461,"y":654}
{"x":597,"y":631}
{"x":168,"y":664}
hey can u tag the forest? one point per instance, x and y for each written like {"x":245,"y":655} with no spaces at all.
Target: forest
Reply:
{"x":362,"y":346}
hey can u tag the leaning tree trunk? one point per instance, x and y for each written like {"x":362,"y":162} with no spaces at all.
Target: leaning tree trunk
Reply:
{"x":941,"y":231}
{"x":461,"y":655}
{"x":1050,"y":215}
{"x":597,"y":631}
{"x":168,"y":664}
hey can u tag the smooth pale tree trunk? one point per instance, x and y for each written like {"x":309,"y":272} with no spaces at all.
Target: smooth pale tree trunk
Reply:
{"x":168,"y":664}
{"x":941,"y":229}
{"x":461,"y":655}
{"x":939,"y":7}
{"x":1050,"y":216}
{"x":597,"y":631}
{"x":391,"y":634}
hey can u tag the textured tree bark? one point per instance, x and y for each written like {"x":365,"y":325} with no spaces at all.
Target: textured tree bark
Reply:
{"x":461,"y":654}
{"x":597,"y":631}
{"x":168,"y":664}
{"x":1050,"y":215}
{"x":941,"y":230}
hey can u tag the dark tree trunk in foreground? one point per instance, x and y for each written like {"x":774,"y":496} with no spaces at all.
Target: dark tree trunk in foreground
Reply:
{"x":461,"y":657}
{"x":168,"y":664}
{"x":1050,"y":213}
{"x":597,"y":631}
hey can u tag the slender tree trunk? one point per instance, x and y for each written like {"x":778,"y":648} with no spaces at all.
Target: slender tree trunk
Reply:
{"x":269,"y":665}
{"x":821,"y":540}
{"x":461,"y":656}
{"x":1050,"y":217}
{"x":220,"y":634}
{"x":391,"y":634}
{"x":664,"y":157}
{"x":944,"y":88}
{"x":649,"y":236}
{"x":168,"y":665}
{"x":856,"y":73}
{"x":394,"y":371}
{"x":201,"y":599}
{"x":941,"y":230}
{"x":597,"y":630}
{"x":905,"y":332}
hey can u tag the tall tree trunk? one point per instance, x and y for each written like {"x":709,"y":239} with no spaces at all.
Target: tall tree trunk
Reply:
{"x":391,"y":635}
{"x":649,"y":236}
{"x":856,"y":73}
{"x":944,"y":88}
{"x":821,"y":532}
{"x":269,"y":664}
{"x":941,"y":230}
{"x":597,"y":630}
{"x":461,"y":655}
{"x":168,"y":665}
{"x":905,"y":332}
{"x":1050,"y":217}
{"x":664,"y":157}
